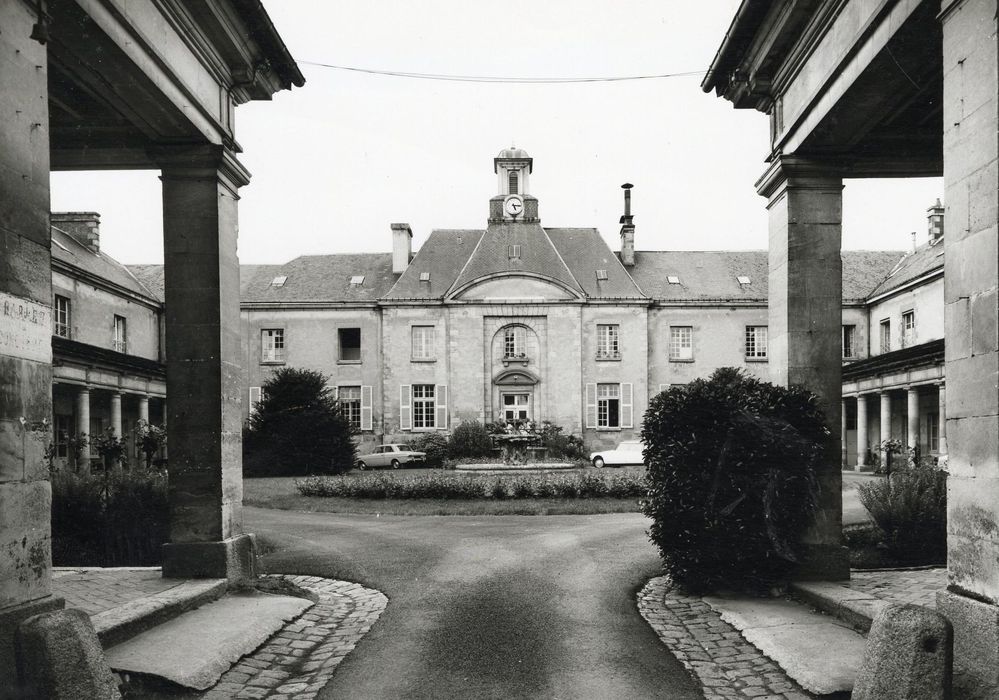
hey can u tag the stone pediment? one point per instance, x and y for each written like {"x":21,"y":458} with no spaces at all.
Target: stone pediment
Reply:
{"x":514,"y":287}
{"x":515,"y":377}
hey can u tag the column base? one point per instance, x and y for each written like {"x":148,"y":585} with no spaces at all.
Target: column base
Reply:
{"x":824,"y":562}
{"x":233,"y":559}
{"x":976,"y":634}
{"x":10,"y":618}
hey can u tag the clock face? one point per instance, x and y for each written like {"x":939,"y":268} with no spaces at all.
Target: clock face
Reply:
{"x":514,"y":205}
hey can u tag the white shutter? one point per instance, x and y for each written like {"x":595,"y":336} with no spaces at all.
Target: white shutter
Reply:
{"x":254,"y":399}
{"x":365,"y":408}
{"x":405,"y":407}
{"x":591,"y":406}
{"x":627,"y":406}
{"x":441,"y":403}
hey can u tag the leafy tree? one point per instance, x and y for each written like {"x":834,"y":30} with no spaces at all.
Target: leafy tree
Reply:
{"x":731,"y":479}
{"x":150,"y":438}
{"x":297,"y":428}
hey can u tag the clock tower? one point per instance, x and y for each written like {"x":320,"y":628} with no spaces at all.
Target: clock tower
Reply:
{"x":513,"y":203}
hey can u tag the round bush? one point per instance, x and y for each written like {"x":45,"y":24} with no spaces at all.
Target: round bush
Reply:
{"x":470,"y":440}
{"x":731,"y":479}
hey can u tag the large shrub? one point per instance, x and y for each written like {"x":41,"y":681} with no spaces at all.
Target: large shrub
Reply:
{"x":910,"y":510}
{"x":110,"y":519}
{"x":731,"y":484}
{"x":435,"y":445}
{"x":558,"y":444}
{"x":470,"y":440}
{"x":297,"y":428}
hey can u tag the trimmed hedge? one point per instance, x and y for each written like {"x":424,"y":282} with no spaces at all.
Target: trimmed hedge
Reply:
{"x":731,"y":479}
{"x":442,"y":486}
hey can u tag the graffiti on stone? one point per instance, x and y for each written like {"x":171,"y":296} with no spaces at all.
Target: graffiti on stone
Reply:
{"x":25,"y":329}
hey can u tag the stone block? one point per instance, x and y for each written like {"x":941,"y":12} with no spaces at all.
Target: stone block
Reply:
{"x":233,"y":559}
{"x":25,"y":544}
{"x":973,"y":444}
{"x":976,"y":633}
{"x":971,"y":264}
{"x":10,"y":617}
{"x":972,"y":386}
{"x":909,"y":656}
{"x":60,"y":658}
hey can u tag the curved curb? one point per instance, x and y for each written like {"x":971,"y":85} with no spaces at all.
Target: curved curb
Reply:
{"x":303,"y":656}
{"x":714,"y":652}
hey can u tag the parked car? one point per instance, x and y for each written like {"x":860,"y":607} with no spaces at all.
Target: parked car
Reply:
{"x":393,"y":456}
{"x":628,"y":452}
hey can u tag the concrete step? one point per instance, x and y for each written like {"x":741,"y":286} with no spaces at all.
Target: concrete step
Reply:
{"x":194,"y":649}
{"x":821,"y":653}
{"x":856,"y":608}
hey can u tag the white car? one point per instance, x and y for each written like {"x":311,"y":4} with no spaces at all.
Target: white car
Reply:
{"x":393,"y":456}
{"x":628,"y":452}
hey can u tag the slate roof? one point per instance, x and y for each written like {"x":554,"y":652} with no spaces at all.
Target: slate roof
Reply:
{"x":713,"y":275}
{"x":585,"y":251}
{"x":924,"y":260}
{"x":151,"y":276}
{"x":315,"y":278}
{"x":443,"y":255}
{"x":69,"y":251}
{"x":538,"y":255}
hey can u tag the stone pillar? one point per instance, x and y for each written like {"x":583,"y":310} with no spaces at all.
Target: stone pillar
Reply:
{"x":863,"y":439}
{"x":116,"y":414}
{"x":971,"y":180}
{"x":804,"y":201}
{"x":144,"y":408}
{"x":942,"y":420}
{"x":842,"y":432}
{"x":26,"y":343}
{"x":83,"y":426}
{"x":201,"y":269}
{"x":912,"y":418}
{"x":885,"y":424}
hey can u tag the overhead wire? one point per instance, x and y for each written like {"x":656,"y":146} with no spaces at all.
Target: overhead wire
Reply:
{"x":499,"y":79}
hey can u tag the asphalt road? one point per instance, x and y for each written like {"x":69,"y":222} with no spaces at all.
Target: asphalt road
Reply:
{"x":491,"y":607}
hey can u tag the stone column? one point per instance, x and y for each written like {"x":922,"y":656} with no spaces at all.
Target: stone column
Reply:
{"x":804,"y":201}
{"x":942,"y":421}
{"x":144,"y":408}
{"x":862,"y":437}
{"x":885,"y":424}
{"x":83,"y":426}
{"x":842,"y":431}
{"x":912,"y":417}
{"x":201,"y":269}
{"x":116,"y":414}
{"x":971,"y":180}
{"x":26,"y":343}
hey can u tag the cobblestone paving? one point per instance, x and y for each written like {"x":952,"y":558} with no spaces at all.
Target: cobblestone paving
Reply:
{"x":917,"y":587}
{"x":726,"y":665}
{"x":97,"y":590}
{"x":301,"y":658}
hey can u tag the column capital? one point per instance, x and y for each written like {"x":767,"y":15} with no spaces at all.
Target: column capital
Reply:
{"x":201,"y":161}
{"x":798,"y":173}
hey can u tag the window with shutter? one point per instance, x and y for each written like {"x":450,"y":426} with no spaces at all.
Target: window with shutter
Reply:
{"x":405,"y":407}
{"x":366,"y":408}
{"x":591,"y":406}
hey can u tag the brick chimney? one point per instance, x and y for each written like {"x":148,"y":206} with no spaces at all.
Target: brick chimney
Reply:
{"x":627,"y":229}
{"x":84,"y":226}
{"x":935,"y":221}
{"x":402,"y":247}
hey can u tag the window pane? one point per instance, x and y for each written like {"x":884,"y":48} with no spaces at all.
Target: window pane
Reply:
{"x":423,"y":342}
{"x":272,"y":345}
{"x":349,"y":398}
{"x":607,"y":340}
{"x":681,"y":342}
{"x":423,"y":406}
{"x":756,"y":341}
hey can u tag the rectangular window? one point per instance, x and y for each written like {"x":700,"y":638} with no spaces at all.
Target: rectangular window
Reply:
{"x":62,"y":430}
{"x":349,"y":398}
{"x":423,"y":406}
{"x":756,"y":342}
{"x":272,"y":345}
{"x":62,"y":317}
{"x":886,"y":336}
{"x":608,"y":344}
{"x":350,"y":344}
{"x":849,"y":342}
{"x":681,"y":345}
{"x":516,"y":407}
{"x":423,"y":342}
{"x":514,"y":340}
{"x":933,"y":431}
{"x":908,"y":329}
{"x":120,"y":341}
{"x":608,"y":405}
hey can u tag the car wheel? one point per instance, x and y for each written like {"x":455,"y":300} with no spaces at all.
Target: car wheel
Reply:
{"x":362,"y":466}
{"x":395,"y":464}
{"x":598,"y":462}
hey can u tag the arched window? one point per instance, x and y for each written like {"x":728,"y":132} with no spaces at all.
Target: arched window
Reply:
{"x":514,"y":182}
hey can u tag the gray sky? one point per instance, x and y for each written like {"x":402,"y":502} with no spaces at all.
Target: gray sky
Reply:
{"x":336,"y":162}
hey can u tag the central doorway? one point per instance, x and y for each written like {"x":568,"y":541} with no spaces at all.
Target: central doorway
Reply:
{"x":516,"y":407}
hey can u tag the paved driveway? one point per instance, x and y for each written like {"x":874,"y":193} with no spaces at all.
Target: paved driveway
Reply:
{"x":491,"y":607}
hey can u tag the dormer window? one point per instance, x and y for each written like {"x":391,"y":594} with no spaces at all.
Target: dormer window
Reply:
{"x":424,"y":276}
{"x":514,"y":182}
{"x":601,"y":274}
{"x":743,"y":279}
{"x":673,"y":279}
{"x":357,"y":280}
{"x":279,"y":281}
{"x":513,"y":251}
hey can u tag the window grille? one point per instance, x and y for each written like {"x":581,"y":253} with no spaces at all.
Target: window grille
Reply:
{"x":908,"y":329}
{"x":63,"y":318}
{"x":756,"y":342}
{"x":608,"y":405}
{"x":608,"y":345}
{"x":120,"y":338}
{"x":886,"y":336}
{"x":849,"y":342}
{"x":681,"y":346}
{"x":514,"y":340}
{"x":423,"y":342}
{"x":423,"y":406}
{"x":349,"y":398}
{"x":272,"y":345}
